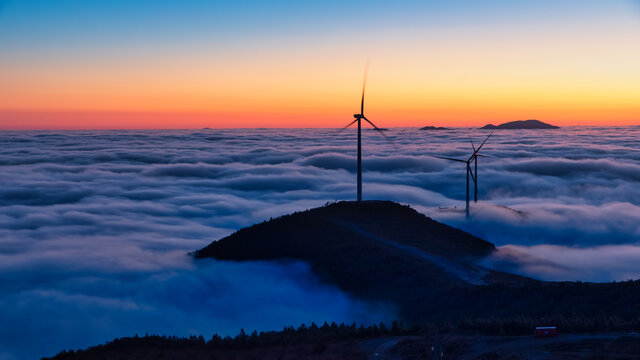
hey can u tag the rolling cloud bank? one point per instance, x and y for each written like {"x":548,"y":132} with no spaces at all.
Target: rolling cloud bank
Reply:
{"x":96,"y":226}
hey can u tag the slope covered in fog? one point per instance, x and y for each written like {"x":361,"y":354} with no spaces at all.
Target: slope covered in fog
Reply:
{"x":384,"y":251}
{"x":348,"y":243}
{"x":377,"y":250}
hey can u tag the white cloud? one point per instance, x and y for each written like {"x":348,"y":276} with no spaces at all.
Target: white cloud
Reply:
{"x":95,"y":225}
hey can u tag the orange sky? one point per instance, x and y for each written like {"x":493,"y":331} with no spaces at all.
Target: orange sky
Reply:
{"x":563,"y":72}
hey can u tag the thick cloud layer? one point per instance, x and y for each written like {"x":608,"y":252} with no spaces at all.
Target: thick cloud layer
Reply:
{"x":95,"y":225}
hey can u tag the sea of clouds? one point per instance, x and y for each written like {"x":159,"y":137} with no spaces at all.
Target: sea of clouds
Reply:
{"x":96,"y":226}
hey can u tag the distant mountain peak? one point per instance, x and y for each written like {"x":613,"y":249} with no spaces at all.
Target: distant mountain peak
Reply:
{"x":433,"y":128}
{"x":522,"y":124}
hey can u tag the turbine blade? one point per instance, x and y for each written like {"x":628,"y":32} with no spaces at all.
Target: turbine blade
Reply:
{"x":487,"y":156}
{"x":485,"y":140}
{"x":377,"y":128}
{"x":364,"y":85}
{"x":343,"y":128}
{"x":372,"y":124}
{"x":447,"y":158}
{"x":473,"y":146}
{"x":351,"y":123}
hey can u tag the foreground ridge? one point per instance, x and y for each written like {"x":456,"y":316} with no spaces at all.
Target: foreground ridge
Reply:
{"x":386,"y":252}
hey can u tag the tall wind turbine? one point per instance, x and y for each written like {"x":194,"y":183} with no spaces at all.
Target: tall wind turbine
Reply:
{"x":470,"y":172}
{"x":359,"y":117}
{"x":475,"y":163}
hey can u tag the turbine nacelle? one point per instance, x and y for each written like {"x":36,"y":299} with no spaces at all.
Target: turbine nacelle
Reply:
{"x":358,"y":116}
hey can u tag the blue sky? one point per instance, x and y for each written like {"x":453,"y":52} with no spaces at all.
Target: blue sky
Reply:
{"x":575,"y":59}
{"x":29,"y":25}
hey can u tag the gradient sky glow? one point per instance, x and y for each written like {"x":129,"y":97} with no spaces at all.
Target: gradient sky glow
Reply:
{"x":177,"y":64}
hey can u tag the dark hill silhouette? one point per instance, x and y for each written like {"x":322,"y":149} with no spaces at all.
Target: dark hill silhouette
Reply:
{"x":433,"y":128}
{"x":351,"y":243}
{"x":346,"y":342}
{"x":330,"y":342}
{"x":360,"y":221}
{"x":383,"y":251}
{"x":521,"y":124}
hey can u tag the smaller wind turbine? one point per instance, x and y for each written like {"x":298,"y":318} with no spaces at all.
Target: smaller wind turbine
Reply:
{"x":359,"y":117}
{"x":470,"y":172}
{"x":475,"y":163}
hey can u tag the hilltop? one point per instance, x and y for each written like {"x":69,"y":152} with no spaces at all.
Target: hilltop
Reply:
{"x":387,"y":252}
{"x":350,"y":243}
{"x":521,"y":124}
{"x":433,"y":128}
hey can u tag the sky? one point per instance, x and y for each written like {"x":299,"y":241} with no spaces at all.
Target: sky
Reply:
{"x":96,"y":226}
{"x":177,"y":64}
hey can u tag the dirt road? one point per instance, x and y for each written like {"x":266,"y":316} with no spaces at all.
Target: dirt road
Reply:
{"x":379,"y":349}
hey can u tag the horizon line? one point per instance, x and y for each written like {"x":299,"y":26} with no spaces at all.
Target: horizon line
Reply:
{"x":288,"y":128}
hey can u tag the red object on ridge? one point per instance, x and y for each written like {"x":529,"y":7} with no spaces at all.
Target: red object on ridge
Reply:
{"x":546,"y":331}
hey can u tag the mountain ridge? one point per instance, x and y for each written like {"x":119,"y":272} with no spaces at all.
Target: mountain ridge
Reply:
{"x":521,"y":124}
{"x":389,"y":253}
{"x":429,"y":127}
{"x":367,"y":247}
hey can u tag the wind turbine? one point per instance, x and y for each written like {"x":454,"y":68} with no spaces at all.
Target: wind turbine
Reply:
{"x":358,"y":118}
{"x":470,"y":172}
{"x":475,"y":163}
